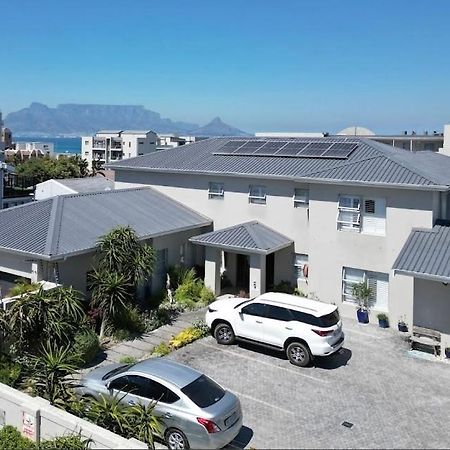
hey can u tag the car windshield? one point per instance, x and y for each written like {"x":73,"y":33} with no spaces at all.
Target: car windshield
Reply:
{"x":203,"y":391}
{"x":116,"y":371}
{"x":329,"y":320}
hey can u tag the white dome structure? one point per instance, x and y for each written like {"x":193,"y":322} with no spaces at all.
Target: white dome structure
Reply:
{"x":356,"y":131}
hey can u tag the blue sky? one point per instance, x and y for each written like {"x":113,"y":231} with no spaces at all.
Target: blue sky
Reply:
{"x":316,"y":65}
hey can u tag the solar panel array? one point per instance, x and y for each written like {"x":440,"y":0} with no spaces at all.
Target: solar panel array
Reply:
{"x":294,"y":149}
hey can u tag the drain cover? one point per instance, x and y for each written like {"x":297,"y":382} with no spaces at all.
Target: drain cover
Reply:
{"x":347,"y":424}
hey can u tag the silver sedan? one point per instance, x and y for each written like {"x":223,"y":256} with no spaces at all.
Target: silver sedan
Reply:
{"x":194,"y":410}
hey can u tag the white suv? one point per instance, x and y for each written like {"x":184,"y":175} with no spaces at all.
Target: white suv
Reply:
{"x":301,"y":327}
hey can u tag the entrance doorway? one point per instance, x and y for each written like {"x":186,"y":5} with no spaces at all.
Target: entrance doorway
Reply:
{"x":242,"y":272}
{"x":270,"y":268}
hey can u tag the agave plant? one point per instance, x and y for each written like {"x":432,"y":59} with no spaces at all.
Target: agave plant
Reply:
{"x":51,"y":372}
{"x":144,"y":423}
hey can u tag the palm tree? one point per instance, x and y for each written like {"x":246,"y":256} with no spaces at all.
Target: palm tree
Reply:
{"x":120,"y":251}
{"x":97,"y":168}
{"x":111,"y":293}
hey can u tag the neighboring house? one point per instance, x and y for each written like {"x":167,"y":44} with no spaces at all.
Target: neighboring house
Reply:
{"x":107,"y":146}
{"x":54,"y":239}
{"x":30,"y":150}
{"x":53,"y":187}
{"x":322,"y":213}
{"x":172,"y":140}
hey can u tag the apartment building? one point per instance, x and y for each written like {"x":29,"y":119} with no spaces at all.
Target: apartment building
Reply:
{"x":113,"y":145}
{"x":30,"y":150}
{"x":323,"y":213}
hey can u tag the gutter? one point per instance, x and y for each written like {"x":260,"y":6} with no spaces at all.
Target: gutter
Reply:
{"x":424,"y":276}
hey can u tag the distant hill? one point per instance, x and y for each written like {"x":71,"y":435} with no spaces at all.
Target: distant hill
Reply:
{"x":218,"y":128}
{"x":76,"y":120}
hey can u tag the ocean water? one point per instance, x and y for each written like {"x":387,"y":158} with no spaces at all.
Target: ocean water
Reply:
{"x":62,"y":145}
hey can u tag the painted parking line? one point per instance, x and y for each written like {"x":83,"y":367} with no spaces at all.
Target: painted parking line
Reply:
{"x":297,"y":373}
{"x":261,"y":402}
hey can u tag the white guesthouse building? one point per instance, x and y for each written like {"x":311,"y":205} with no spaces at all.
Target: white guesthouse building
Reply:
{"x":322,"y":213}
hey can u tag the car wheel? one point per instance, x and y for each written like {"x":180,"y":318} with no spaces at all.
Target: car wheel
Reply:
{"x":298,"y":354}
{"x":176,"y":439}
{"x":224,"y":334}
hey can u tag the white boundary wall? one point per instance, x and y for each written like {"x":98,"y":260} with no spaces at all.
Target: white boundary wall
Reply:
{"x":36,"y":419}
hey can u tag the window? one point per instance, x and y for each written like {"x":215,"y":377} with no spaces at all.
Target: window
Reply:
{"x":157,"y":391}
{"x":86,"y":142}
{"x":367,"y":215}
{"x":129,"y":144}
{"x":257,"y":194}
{"x":203,"y":391}
{"x":161,"y":261}
{"x":378,"y":282}
{"x":303,"y":317}
{"x":255,"y":309}
{"x":429,"y":146}
{"x":216,"y":191}
{"x":301,"y":197}
{"x":300,"y":266}
{"x":349,"y":217}
{"x":278,"y":313}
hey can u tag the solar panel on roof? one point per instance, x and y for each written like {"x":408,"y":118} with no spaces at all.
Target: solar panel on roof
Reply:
{"x":230,"y":146}
{"x":292,"y":148}
{"x":271,"y":147}
{"x":340,"y":150}
{"x":249,"y":147}
{"x":315,"y":147}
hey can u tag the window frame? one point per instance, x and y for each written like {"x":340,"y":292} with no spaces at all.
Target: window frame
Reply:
{"x":299,"y":202}
{"x":257,"y":199}
{"x":300,"y":266}
{"x":216,"y":194}
{"x":345,"y":225}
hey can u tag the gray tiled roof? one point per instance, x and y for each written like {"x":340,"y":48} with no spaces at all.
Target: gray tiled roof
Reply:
{"x":426,"y":253}
{"x":253,"y":237}
{"x":371,"y":163}
{"x":71,"y":224}
{"x":88,"y":184}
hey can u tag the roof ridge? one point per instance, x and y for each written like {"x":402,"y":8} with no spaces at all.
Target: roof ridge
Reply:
{"x":382,"y":148}
{"x":249,"y":228}
{"x":54,"y":215}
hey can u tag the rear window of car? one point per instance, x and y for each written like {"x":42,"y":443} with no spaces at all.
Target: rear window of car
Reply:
{"x":203,"y":391}
{"x":329,"y":320}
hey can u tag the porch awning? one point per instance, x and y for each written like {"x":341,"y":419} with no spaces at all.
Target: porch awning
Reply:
{"x":249,"y":237}
{"x":426,"y":253}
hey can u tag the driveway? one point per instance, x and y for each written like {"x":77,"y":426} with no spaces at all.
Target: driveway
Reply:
{"x":392,"y":399}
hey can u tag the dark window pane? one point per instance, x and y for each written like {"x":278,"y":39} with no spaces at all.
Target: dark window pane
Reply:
{"x":255,"y":309}
{"x":306,"y":318}
{"x":278,"y":313}
{"x":120,"y":384}
{"x":203,"y":391}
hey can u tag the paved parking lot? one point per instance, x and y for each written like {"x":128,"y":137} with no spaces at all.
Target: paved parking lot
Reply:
{"x":393,"y":400}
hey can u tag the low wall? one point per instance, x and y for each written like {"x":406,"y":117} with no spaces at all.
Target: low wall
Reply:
{"x":7,"y":302}
{"x":36,"y":419}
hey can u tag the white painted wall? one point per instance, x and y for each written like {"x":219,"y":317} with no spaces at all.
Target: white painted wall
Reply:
{"x":313,"y":229}
{"x":48,"y":422}
{"x":50,"y":188}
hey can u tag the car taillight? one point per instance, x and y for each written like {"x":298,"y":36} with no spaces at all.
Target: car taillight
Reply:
{"x":323,"y":333}
{"x":210,"y":426}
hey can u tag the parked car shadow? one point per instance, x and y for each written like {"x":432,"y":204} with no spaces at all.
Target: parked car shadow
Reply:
{"x":263,"y":350}
{"x":334,"y":361}
{"x":242,"y":439}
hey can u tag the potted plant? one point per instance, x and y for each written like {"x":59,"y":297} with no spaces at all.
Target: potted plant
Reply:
{"x":402,"y":325}
{"x":383,"y":320}
{"x":447,"y":352}
{"x":362,"y":292}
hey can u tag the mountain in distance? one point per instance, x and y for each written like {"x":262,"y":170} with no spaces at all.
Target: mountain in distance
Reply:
{"x":78,"y":119}
{"x":218,"y":128}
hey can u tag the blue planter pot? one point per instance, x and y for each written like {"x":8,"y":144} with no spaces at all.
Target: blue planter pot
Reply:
{"x":383,"y":323}
{"x":363,"y":316}
{"x":403,"y":327}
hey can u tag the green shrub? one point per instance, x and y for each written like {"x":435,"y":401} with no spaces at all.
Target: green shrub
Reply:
{"x":382,"y":316}
{"x":161,"y":349}
{"x":299,"y":292}
{"x":180,"y":275}
{"x":201,"y":326}
{"x":86,"y":345}
{"x":11,"y":439}
{"x":163,"y":315}
{"x":128,"y":360}
{"x":207,"y":296}
{"x":121,"y":335}
{"x":284,"y":286}
{"x":188,"y":294}
{"x":69,"y":442}
{"x":130,"y":319}
{"x":9,"y":371}
{"x":22,"y":287}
